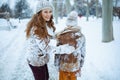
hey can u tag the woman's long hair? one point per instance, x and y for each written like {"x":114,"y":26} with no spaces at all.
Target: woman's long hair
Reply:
{"x":39,"y":26}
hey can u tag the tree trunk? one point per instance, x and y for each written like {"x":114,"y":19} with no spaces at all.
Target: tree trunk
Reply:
{"x":107,"y":27}
{"x":68,"y":6}
{"x":75,"y":5}
{"x":116,"y":1}
{"x":55,"y":10}
{"x":97,"y":8}
{"x":87,"y":12}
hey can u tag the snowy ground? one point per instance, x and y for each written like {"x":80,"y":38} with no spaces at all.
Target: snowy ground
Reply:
{"x":101,"y":62}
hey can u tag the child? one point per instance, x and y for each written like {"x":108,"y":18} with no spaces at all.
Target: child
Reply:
{"x":70,"y":51}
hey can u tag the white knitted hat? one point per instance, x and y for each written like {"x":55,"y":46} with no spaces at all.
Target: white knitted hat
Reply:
{"x":43,"y":5}
{"x":72,"y":19}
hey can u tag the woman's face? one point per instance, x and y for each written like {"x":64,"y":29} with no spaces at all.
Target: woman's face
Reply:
{"x":46,"y":14}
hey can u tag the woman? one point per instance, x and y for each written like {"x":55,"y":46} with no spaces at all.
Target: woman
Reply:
{"x":39,"y":31}
{"x":70,"y":53}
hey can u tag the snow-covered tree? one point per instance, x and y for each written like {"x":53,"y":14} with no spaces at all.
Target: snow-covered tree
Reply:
{"x":5,"y":10}
{"x":22,"y":9}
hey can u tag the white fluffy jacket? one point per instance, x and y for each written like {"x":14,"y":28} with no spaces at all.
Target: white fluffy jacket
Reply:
{"x":37,"y":50}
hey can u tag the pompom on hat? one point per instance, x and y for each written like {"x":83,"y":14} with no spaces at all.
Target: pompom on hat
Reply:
{"x":72,"y":19}
{"x":43,"y":4}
